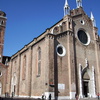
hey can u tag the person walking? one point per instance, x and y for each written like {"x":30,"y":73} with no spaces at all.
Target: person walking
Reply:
{"x":42,"y":96}
{"x":98,"y":95}
{"x":76,"y":96}
{"x":49,"y":96}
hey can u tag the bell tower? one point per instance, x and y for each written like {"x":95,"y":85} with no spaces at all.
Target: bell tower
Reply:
{"x":2,"y":32}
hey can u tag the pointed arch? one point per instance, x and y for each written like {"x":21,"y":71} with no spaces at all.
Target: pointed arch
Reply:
{"x":64,"y":26}
{"x":84,"y":71}
{"x":88,"y":83}
{"x":56,"y":30}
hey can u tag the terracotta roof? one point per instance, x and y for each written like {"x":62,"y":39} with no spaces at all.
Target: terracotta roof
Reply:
{"x":1,"y":64}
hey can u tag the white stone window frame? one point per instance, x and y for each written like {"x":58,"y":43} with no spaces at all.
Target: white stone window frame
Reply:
{"x":63,"y":48}
{"x":82,"y":21}
{"x":88,"y":36}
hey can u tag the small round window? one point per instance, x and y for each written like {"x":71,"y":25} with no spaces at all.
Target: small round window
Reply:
{"x":60,"y":50}
{"x":82,"y":22}
{"x":83,"y":37}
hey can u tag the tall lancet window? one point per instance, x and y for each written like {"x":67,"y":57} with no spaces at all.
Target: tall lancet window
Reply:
{"x":39,"y":62}
{"x":15,"y":65}
{"x":24,"y":67}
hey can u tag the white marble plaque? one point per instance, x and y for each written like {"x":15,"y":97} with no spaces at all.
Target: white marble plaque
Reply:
{"x":61,"y":86}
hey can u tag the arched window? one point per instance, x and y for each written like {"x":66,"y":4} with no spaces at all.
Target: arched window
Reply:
{"x":56,"y":30}
{"x":39,"y":62}
{"x":24,"y":67}
{"x":69,"y":25}
{"x":15,"y":65}
{"x":64,"y":26}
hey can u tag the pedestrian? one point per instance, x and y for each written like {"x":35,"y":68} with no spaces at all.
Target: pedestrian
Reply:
{"x":49,"y":96}
{"x":76,"y":96}
{"x":42,"y":96}
{"x":98,"y":95}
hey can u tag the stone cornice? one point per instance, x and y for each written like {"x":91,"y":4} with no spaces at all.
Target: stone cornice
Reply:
{"x":66,"y":33}
{"x":3,"y":17}
{"x":36,"y":40}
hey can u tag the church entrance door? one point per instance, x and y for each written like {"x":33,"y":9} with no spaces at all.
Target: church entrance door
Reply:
{"x":86,"y":83}
{"x":85,"y":88}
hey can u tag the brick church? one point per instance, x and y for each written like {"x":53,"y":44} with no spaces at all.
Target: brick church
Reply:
{"x":63,"y":61}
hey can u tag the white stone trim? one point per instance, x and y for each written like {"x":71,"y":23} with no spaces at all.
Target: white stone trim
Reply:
{"x":3,"y":17}
{"x":48,"y":93}
{"x":82,"y":22}
{"x":36,"y":97}
{"x":20,"y":96}
{"x":0,"y":73}
{"x":63,"y":97}
{"x":88,"y":36}
{"x":72,"y":95}
{"x":93,"y":94}
{"x":64,"y":50}
{"x":2,"y":95}
{"x":80,"y":81}
{"x":52,"y":30}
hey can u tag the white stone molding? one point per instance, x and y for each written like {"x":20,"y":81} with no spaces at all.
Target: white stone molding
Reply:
{"x":86,"y":62}
{"x":80,"y":81}
{"x":72,"y":95}
{"x":48,"y":93}
{"x":63,"y":50}
{"x":93,"y":94}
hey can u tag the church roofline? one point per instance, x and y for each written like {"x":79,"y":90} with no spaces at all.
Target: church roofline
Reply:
{"x":42,"y":36}
{"x":31,"y":44}
{"x":36,"y":39}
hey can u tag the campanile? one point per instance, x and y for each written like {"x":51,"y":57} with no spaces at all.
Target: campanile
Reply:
{"x":2,"y":31}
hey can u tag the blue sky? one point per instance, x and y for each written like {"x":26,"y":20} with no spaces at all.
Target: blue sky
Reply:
{"x":27,"y":19}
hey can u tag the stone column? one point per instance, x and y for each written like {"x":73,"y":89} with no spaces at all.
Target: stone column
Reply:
{"x":93,"y":94}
